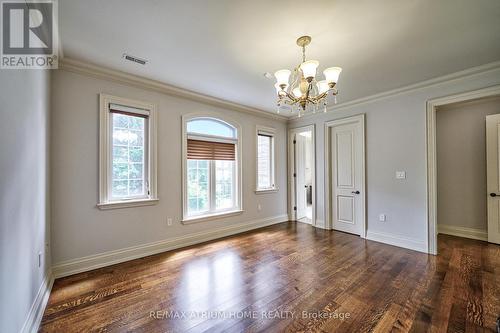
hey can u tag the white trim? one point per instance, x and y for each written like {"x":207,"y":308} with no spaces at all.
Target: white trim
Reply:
{"x":267,"y":190}
{"x":291,"y":166}
{"x":328,"y":125}
{"x":269,"y":131}
{"x":80,"y":67}
{"x":105,"y":152}
{"x":397,"y":240}
{"x":471,"y":233}
{"x":239,"y":171}
{"x":432,"y":154}
{"x":127,"y":203}
{"x":34,"y":318}
{"x":211,"y":216}
{"x":493,"y":66}
{"x":113,"y":257}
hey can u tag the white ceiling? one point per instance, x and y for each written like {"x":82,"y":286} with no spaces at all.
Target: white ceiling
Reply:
{"x":222,"y":47}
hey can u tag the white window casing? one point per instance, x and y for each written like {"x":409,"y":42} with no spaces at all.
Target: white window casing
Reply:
{"x":129,"y":107}
{"x":269,"y":132}
{"x":213,"y":212}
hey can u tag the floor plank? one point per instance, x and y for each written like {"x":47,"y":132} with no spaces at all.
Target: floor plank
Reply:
{"x":288,"y":277}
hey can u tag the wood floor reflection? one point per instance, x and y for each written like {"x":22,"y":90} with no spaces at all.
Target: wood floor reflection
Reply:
{"x":288,"y":277}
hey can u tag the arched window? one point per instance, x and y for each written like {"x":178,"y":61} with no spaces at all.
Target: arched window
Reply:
{"x":211,"y":167}
{"x":211,"y":127}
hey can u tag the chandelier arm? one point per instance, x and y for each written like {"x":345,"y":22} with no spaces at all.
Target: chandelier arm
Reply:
{"x":292,"y":98}
{"x":323,"y":95}
{"x":291,"y":101}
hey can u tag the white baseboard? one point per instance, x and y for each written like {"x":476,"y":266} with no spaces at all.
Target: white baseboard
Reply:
{"x":472,"y":233}
{"x":397,"y":240}
{"x":321,"y":224}
{"x":117,"y":256}
{"x":34,"y":318}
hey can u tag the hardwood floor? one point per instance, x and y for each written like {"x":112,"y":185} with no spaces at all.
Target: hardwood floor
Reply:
{"x":288,"y":277}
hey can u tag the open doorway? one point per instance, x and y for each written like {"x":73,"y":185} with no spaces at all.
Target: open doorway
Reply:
{"x":463,"y":134}
{"x":461,"y":140}
{"x":302,"y":174}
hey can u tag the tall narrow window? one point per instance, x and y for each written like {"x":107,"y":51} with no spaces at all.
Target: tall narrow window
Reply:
{"x":129,"y":177}
{"x":211,"y":168}
{"x":265,"y":159}
{"x":127,"y":153}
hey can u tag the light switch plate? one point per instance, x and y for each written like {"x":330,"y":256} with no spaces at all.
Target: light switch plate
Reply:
{"x":400,"y":174}
{"x":381,"y":217}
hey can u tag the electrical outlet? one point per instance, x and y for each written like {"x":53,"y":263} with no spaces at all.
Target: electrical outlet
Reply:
{"x":169,"y":221}
{"x":382,"y":217}
{"x":39,"y":259}
{"x":259,"y":207}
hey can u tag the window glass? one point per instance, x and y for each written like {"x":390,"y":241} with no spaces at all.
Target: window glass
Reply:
{"x":128,"y":156}
{"x":198,"y":186}
{"x":211,"y":127}
{"x":224,"y":184}
{"x":264,"y":162}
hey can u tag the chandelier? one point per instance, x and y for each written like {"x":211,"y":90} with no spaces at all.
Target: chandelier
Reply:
{"x":305,"y":94}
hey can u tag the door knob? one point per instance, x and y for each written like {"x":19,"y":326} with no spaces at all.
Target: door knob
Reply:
{"x":355,"y":192}
{"x":494,"y":194}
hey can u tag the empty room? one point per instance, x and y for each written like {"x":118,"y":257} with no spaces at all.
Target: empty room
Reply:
{"x":250,"y":166}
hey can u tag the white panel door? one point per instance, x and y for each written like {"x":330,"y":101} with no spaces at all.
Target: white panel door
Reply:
{"x":347,"y":206}
{"x":493,"y":176}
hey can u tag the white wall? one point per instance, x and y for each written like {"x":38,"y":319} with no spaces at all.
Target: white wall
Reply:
{"x":395,"y":140}
{"x":24,"y":200}
{"x":80,"y":229}
{"x":461,"y":162}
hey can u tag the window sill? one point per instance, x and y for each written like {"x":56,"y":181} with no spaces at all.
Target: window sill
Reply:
{"x":127,"y":204}
{"x":267,"y":190}
{"x":209,"y":217}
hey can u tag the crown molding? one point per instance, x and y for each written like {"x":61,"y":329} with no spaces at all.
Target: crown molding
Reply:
{"x":80,"y":67}
{"x":492,"y":66}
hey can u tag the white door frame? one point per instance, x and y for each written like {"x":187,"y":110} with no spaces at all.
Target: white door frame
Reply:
{"x":328,"y":185}
{"x":291,"y":181}
{"x":432,"y":155}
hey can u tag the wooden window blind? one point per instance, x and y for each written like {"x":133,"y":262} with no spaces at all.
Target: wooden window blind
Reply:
{"x":210,"y":150}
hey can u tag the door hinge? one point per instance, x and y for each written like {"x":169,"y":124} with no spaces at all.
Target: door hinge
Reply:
{"x":294,"y":142}
{"x":294,"y":174}
{"x":294,"y":207}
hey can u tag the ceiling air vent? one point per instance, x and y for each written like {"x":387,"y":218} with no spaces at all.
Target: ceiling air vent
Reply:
{"x":134,"y":59}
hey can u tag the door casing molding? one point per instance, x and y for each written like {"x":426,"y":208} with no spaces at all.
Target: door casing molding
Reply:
{"x":291,"y":181}
{"x":328,"y":186}
{"x":432,"y":154}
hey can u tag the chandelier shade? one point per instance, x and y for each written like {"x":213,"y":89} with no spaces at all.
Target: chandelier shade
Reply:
{"x":299,"y":88}
{"x":296,"y":92}
{"x":282,"y":76}
{"x":308,"y":68}
{"x":332,"y":74}
{"x":323,"y":86}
